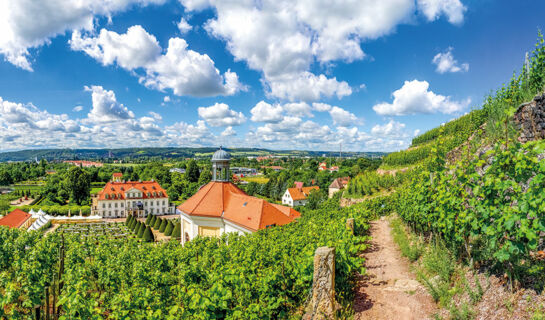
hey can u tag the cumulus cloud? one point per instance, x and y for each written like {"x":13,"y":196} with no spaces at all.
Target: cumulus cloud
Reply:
{"x":219,"y":115}
{"x":77,"y":108}
{"x":25,"y":25}
{"x":453,"y":9}
{"x":299,"y":109}
{"x":228,"y":132}
{"x":105,"y":106}
{"x":321,"y":107}
{"x":445,"y":62}
{"x":184,"y":71}
{"x":415,"y":97}
{"x":283,"y":38}
{"x":342,"y":117}
{"x":391,"y":128}
{"x":265,"y":112}
{"x":184,"y":26}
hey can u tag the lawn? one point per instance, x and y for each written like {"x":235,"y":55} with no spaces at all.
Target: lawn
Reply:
{"x":257,"y":179}
{"x":95,"y":190}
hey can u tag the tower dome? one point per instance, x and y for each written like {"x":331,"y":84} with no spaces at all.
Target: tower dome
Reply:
{"x":220,"y":165}
{"x":221,"y":155}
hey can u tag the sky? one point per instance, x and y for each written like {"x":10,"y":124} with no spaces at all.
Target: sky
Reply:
{"x":281,"y":74}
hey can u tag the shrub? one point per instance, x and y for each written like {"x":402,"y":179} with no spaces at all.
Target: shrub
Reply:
{"x":169,"y":228}
{"x":163,"y":225}
{"x":148,"y":219}
{"x":141,"y":230}
{"x":177,"y":232}
{"x":148,"y":235}
{"x":152,"y":221}
{"x":157,"y":223}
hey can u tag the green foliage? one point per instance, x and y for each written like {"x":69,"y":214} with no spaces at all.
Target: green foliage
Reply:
{"x":157,"y":223}
{"x":177,"y":232}
{"x":192,"y":172}
{"x":169,"y":228}
{"x":78,"y":185}
{"x":148,"y":219}
{"x":163,"y":226}
{"x":407,"y":157}
{"x":152,"y":221}
{"x":370,"y":182}
{"x":486,"y":210}
{"x":141,"y":230}
{"x":148,"y":235}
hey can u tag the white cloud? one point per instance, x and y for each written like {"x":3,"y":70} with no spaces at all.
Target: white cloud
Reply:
{"x":321,"y":107}
{"x":166,"y":99}
{"x":77,"y":108}
{"x":105,"y":106}
{"x":299,"y":109}
{"x":264,"y":112}
{"x":229,"y":132}
{"x":453,"y":9}
{"x":391,"y":128}
{"x":342,"y":117}
{"x":445,"y":62}
{"x":284,"y":38}
{"x":184,"y":26}
{"x":31,"y":24}
{"x":416,"y":132}
{"x":414,"y":97}
{"x":184,"y":71}
{"x":219,"y":115}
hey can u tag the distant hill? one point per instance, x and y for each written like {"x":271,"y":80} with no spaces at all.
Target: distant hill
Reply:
{"x":160,"y":153}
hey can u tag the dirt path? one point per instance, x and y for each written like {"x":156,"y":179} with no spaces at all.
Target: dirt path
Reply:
{"x":390,"y":289}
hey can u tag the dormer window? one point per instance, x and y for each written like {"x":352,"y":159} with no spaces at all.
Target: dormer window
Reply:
{"x":106,"y":196}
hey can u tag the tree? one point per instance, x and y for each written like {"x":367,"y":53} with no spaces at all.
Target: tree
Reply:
{"x":173,"y":194}
{"x":177,"y":232}
{"x":169,"y":228}
{"x":141,"y":230}
{"x":205,"y":176}
{"x":78,"y":185}
{"x":5,"y":178}
{"x":192,"y":171}
{"x":148,"y":235}
{"x":315,"y":198}
{"x":152,"y":220}
{"x":148,"y":219}
{"x":163,"y":225}
{"x":127,"y":220}
{"x":157,"y":223}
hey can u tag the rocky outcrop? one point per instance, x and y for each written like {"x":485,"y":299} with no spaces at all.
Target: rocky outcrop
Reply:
{"x":530,"y":119}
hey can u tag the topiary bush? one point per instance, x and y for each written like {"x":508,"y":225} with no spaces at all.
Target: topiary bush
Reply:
{"x":169,"y":228}
{"x":148,"y":235}
{"x":177,"y":232}
{"x":157,"y":223}
{"x":163,"y":225}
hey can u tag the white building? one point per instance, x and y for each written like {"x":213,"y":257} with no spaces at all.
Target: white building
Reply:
{"x":220,"y":207}
{"x":139,"y":198}
{"x":297,"y":196}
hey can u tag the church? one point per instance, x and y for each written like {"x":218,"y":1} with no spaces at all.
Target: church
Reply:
{"x":220,"y":206}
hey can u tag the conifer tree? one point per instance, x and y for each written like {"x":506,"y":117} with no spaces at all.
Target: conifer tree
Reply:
{"x":177,"y":232}
{"x":148,"y":235}
{"x":148,"y":219}
{"x":157,"y":223}
{"x":141,"y":230}
{"x":169,"y":228}
{"x":152,"y":220}
{"x":127,"y":220}
{"x":163,"y":225}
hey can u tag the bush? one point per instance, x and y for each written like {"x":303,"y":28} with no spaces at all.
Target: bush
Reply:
{"x":127,"y":220}
{"x":148,"y":219}
{"x":152,"y":221}
{"x":177,"y":232}
{"x":148,"y":235}
{"x":157,"y":223}
{"x":163,"y":225}
{"x":140,"y":233}
{"x":169,"y":228}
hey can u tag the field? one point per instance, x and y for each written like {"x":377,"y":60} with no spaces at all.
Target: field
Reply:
{"x":257,"y":179}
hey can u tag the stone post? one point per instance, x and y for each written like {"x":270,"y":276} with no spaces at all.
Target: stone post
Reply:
{"x":350,"y":225}
{"x":322,"y":304}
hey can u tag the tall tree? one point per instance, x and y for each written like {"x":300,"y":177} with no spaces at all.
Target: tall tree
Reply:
{"x":192,"y":171}
{"x":78,"y":185}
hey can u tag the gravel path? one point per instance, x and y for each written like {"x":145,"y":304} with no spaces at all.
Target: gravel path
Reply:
{"x":389,"y":290}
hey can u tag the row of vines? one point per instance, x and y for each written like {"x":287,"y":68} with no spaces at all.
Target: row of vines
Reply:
{"x":267,"y":274}
{"x":370,"y":182}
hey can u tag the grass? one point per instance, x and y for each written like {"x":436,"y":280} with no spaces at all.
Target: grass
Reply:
{"x":257,"y":179}
{"x":95,"y":190}
{"x":436,"y":268}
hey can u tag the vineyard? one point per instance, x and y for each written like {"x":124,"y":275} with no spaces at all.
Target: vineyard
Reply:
{"x":267,"y":274}
{"x":370,"y":182}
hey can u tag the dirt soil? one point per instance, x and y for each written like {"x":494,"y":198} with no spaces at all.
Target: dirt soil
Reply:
{"x":389,"y":290}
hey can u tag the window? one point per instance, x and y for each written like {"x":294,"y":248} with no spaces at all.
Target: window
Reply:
{"x":163,"y":202}
{"x":115,"y":205}
{"x":121,"y":204}
{"x":157,"y":202}
{"x":103,"y":206}
{"x":151,"y":210}
{"x":109,"y":205}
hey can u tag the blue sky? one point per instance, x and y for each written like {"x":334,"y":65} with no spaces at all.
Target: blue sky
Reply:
{"x":277,"y":74}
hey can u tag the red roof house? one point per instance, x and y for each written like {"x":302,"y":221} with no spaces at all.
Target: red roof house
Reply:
{"x":16,"y":219}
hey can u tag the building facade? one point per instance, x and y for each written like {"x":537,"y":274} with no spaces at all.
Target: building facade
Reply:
{"x":297,"y":196}
{"x":139,"y":198}
{"x":221,"y":207}
{"x":337,"y":185}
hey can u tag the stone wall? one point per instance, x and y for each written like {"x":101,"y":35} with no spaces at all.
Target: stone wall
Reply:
{"x":530,"y":119}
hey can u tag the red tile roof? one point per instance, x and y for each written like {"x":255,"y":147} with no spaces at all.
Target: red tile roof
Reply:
{"x":339,"y":183}
{"x":117,"y":175}
{"x":301,"y":193}
{"x":15,"y":219}
{"x":116,"y":190}
{"x":298,"y":184}
{"x":227,"y":201}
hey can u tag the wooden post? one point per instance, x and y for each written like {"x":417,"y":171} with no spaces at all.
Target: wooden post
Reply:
{"x":46,"y":303}
{"x":322,"y":304}
{"x":37,"y":313}
{"x":350,"y":225}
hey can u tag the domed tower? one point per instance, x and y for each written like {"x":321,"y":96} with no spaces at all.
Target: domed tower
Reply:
{"x":220,"y":165}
